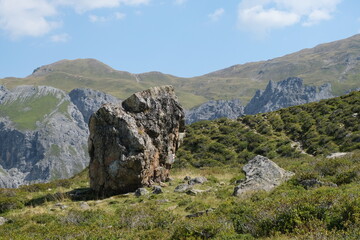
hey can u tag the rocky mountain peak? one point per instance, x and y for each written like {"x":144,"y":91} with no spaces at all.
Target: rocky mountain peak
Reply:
{"x":215,"y":109}
{"x":286,"y":93}
{"x":89,"y":101}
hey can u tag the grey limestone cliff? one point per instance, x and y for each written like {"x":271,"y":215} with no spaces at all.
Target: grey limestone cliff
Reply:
{"x":215,"y":109}
{"x":286,"y":93}
{"x":89,"y":101}
{"x":42,"y":136}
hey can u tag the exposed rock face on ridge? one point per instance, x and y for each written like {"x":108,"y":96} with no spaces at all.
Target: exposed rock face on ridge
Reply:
{"x":261,"y":174}
{"x":286,"y":93}
{"x":134,"y":144}
{"x":42,"y":136}
{"x":89,"y":101}
{"x":215,"y":109}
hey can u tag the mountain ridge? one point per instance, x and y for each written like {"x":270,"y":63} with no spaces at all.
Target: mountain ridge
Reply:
{"x":336,"y":62}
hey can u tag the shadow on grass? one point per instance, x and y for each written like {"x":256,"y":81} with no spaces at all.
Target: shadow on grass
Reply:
{"x":79,"y":194}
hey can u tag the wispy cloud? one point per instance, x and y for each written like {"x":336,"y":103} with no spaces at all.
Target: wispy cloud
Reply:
{"x":215,"y":16}
{"x":58,"y":38}
{"x":119,"y":15}
{"x":87,"y":5}
{"x":116,"y":16}
{"x":180,"y":2}
{"x":27,"y":17}
{"x":262,"y":16}
{"x":94,"y":18}
{"x":35,"y":18}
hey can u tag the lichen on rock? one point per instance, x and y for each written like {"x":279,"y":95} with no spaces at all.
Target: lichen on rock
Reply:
{"x":133,"y":144}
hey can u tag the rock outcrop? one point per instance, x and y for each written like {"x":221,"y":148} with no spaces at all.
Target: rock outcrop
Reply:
{"x":286,"y":93}
{"x":261,"y":174}
{"x":215,"y":109}
{"x":89,"y":101}
{"x":42,"y":136}
{"x":133,"y":144}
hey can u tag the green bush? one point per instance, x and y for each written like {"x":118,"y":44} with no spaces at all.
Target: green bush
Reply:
{"x":9,"y":203}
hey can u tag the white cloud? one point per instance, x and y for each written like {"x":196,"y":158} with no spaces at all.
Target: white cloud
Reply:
{"x":316,"y":16}
{"x":94,"y":18}
{"x":116,"y":16}
{"x":215,"y":16}
{"x":262,"y":16}
{"x":87,"y":5}
{"x":36,"y":18}
{"x":27,"y":17}
{"x":180,"y":2}
{"x":64,"y":37}
{"x":119,"y":15}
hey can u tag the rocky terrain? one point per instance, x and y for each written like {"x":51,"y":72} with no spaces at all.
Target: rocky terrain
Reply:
{"x":261,"y":174}
{"x":289,"y":92}
{"x":43,"y":135}
{"x":215,"y":109}
{"x":134,"y":144}
{"x":89,"y":101}
{"x":286,"y":93}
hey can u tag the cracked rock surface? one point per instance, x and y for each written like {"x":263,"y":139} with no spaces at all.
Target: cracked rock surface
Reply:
{"x":133,"y":145}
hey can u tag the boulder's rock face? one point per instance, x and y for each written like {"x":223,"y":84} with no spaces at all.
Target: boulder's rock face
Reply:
{"x":89,"y":101}
{"x":261,"y":174}
{"x":134,"y":144}
{"x":215,"y":109}
{"x":42,"y":136}
{"x":286,"y":93}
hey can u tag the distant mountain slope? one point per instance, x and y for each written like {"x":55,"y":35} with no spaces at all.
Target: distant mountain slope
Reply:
{"x":42,"y":136}
{"x":44,"y":132}
{"x":336,"y":62}
{"x":277,"y":95}
{"x":90,"y":73}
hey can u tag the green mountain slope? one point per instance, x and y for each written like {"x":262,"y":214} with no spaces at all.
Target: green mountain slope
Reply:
{"x":336,"y":62}
{"x":320,"y":128}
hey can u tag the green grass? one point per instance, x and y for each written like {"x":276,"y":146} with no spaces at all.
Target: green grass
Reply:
{"x":288,"y":212}
{"x":26,"y":113}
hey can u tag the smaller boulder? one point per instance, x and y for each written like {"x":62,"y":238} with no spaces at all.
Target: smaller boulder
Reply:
{"x":157,"y":190}
{"x":197,"y":180}
{"x":84,"y":206}
{"x":3,"y":220}
{"x":313,"y":183}
{"x":261,"y":174}
{"x":194,"y":192}
{"x":337,"y":155}
{"x":182,"y":188}
{"x":141,"y":192}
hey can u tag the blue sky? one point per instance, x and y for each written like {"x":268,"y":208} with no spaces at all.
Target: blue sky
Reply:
{"x":181,"y":37}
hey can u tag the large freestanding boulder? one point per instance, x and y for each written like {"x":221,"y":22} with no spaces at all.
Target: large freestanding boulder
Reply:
{"x":261,"y":174}
{"x":133,"y":144}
